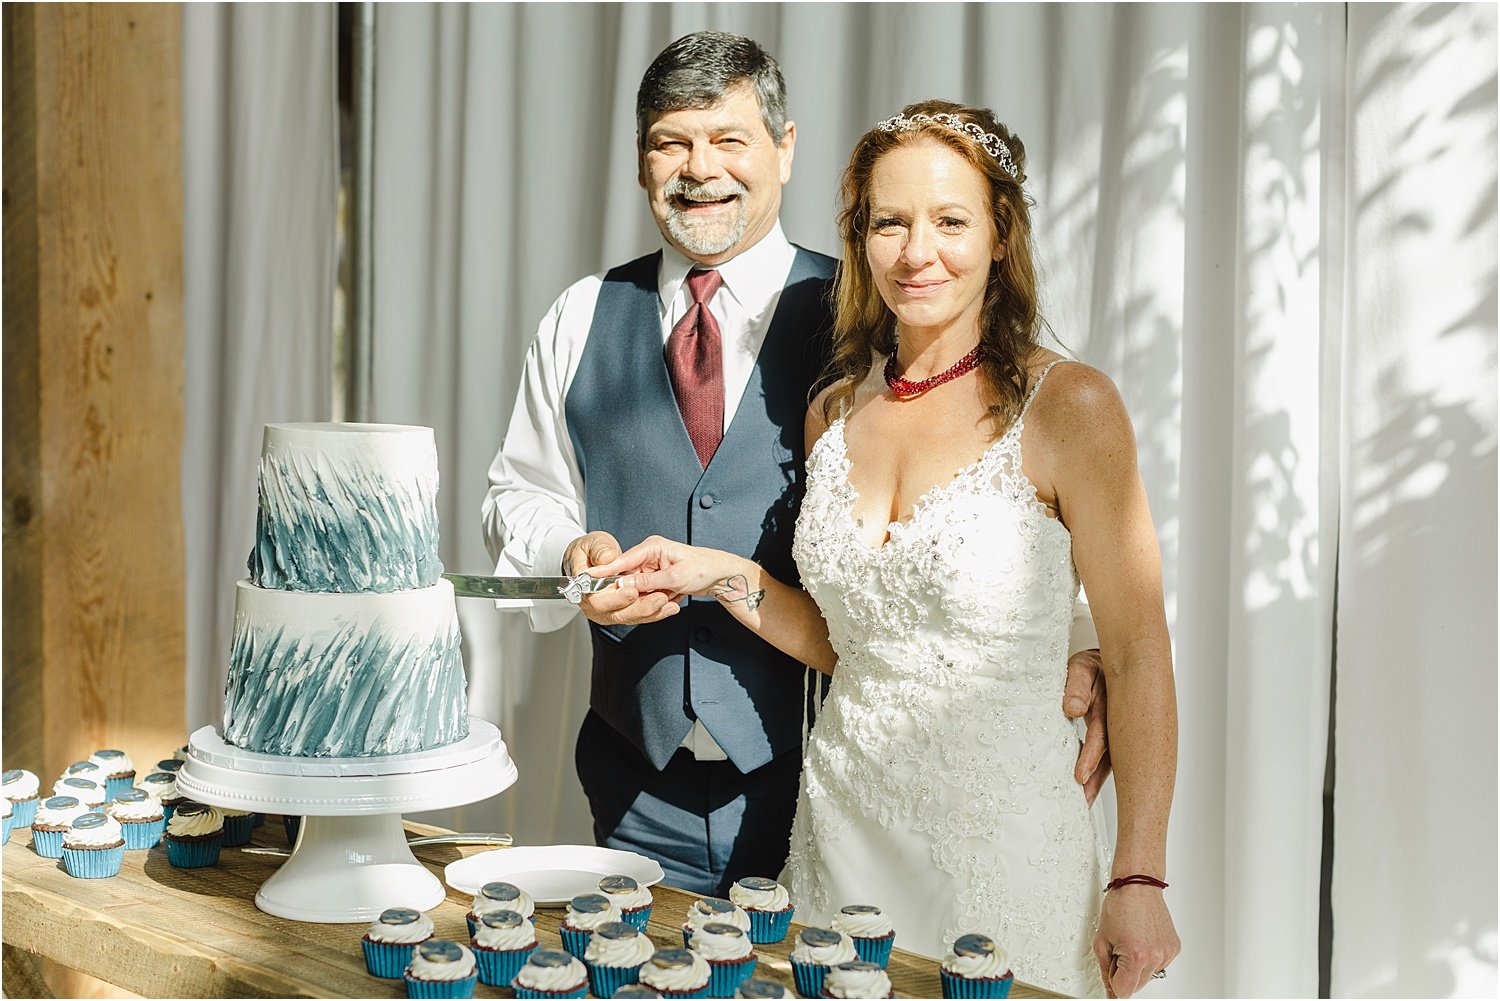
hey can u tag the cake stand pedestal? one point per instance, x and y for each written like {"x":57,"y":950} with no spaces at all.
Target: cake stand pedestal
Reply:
{"x":351,"y":860}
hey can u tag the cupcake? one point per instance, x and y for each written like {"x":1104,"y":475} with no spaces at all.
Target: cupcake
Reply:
{"x":441,"y":969}
{"x":162,"y":787}
{"x":118,"y":769}
{"x":7,"y":816}
{"x":551,"y":973}
{"x":391,"y":939}
{"x":84,"y":770}
{"x":24,"y":791}
{"x":676,"y":973}
{"x":501,"y":944}
{"x":768,"y":905}
{"x":238,"y":826}
{"x":726,"y":949}
{"x":871,"y":930}
{"x":88,"y":791}
{"x":194,"y":835}
{"x":816,"y":950}
{"x":614,"y":957}
{"x":857,"y":979}
{"x":500,"y":897}
{"x":140,"y":818}
{"x":976,"y":968}
{"x":633,"y":899}
{"x":586,"y":912}
{"x":53,"y":817}
{"x":93,"y":847}
{"x":706,"y":909}
{"x":760,"y":988}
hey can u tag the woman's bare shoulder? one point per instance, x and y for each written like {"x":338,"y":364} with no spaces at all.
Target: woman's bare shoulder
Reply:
{"x":1079,"y":412}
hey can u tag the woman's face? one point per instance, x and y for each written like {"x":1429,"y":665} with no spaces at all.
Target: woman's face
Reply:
{"x":931,"y":238}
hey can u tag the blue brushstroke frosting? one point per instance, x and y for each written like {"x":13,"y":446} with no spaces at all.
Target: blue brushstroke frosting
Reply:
{"x":347,"y":508}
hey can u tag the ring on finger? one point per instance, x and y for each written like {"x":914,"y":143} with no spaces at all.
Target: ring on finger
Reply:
{"x":1159,"y":975}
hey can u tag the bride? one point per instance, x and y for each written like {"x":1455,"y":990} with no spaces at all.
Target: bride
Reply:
{"x":961,"y":481}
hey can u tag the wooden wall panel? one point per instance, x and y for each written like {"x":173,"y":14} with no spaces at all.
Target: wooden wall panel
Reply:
{"x":93,"y":600}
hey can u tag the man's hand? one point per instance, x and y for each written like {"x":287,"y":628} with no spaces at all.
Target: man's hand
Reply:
{"x":1084,"y":696}
{"x":613,"y":606}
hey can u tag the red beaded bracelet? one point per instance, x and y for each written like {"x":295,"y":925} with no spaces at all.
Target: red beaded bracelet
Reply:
{"x":1137,"y":878}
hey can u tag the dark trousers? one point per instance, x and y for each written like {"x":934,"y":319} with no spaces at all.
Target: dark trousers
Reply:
{"x":706,"y":822}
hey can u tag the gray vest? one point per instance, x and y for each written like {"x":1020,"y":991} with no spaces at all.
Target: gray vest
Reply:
{"x":641,"y":477}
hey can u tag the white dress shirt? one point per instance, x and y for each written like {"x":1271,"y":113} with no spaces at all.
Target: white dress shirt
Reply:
{"x":535,"y":506}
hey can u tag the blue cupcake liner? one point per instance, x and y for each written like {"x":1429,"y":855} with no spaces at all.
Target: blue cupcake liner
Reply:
{"x":23,"y":812}
{"x":6,"y":824}
{"x":963,"y":987}
{"x":259,"y":818}
{"x":93,"y":863}
{"x":168,"y":809}
{"x":637,"y":918}
{"x":498,"y":967}
{"x":767,"y":927}
{"x":143,"y":833}
{"x":113,"y":787}
{"x":576,"y":942}
{"x":605,"y":980}
{"x":464,"y":988}
{"x":724,"y":977}
{"x":48,"y":844}
{"x":387,"y":960}
{"x":237,"y":830}
{"x":808,"y":978}
{"x":532,"y":993}
{"x":193,"y":854}
{"x":874,"y":950}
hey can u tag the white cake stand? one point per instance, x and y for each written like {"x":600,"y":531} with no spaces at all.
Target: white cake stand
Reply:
{"x":351,"y":860}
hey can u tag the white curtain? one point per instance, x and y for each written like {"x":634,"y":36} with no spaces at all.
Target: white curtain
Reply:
{"x":1273,"y":226}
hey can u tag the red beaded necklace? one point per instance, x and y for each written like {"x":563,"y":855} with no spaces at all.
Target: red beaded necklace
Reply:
{"x":905,"y":389}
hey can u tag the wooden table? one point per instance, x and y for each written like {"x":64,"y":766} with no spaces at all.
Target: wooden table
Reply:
{"x":166,"y":932}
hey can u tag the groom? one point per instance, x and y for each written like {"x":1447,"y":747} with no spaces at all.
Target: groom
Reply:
{"x":666,"y":396}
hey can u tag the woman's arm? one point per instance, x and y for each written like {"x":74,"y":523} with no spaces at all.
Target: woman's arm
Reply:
{"x":1091,"y":462}
{"x":782,"y":615}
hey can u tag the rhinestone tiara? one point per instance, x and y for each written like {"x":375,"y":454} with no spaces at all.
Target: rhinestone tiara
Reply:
{"x":993,"y":144}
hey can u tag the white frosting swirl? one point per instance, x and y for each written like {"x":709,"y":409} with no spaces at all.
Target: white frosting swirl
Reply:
{"x":196,"y":825}
{"x":57,"y":818}
{"x":857,"y":983}
{"x":146,"y":810}
{"x":630,"y":900}
{"x":720,"y":947}
{"x":682,"y":978}
{"x":419,"y":930}
{"x":5,"y":810}
{"x":552,"y":978}
{"x":632,"y":951}
{"x":993,"y":966}
{"x":588,"y":921}
{"x":89,"y":794}
{"x":106,"y":835}
{"x":462,"y":969}
{"x":113,"y":765}
{"x":760,"y":900}
{"x":24,"y":786}
{"x":863,"y":925}
{"x":697,"y":917}
{"x":522,"y":936}
{"x":824,"y":955}
{"x":522,"y":905}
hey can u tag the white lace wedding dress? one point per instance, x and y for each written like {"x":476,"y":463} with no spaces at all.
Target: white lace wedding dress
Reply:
{"x":938,"y":780}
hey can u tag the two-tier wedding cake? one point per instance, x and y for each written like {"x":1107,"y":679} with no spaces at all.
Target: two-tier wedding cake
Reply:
{"x":346,"y":640}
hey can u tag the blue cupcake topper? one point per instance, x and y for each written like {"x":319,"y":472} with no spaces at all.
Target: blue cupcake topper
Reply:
{"x":639,"y":991}
{"x":440,"y":950}
{"x":759,"y":884}
{"x":89,"y":821}
{"x":859,"y":909}
{"x":760,"y":988}
{"x":11,"y":775}
{"x":110,"y":754}
{"x":399,"y":916}
{"x":616,"y":930}
{"x":169,"y":765}
{"x":158,"y":779}
{"x":500,"y":891}
{"x":723,"y":928}
{"x":60,"y":803}
{"x":616,"y":884}
{"x":77,"y":783}
{"x":132,"y":795}
{"x":859,"y":966}
{"x":550,"y":959}
{"x":80,"y":768}
{"x":589,"y":903}
{"x":973,"y":945}
{"x":190,"y":809}
{"x":714,"y":905}
{"x":672,"y":959}
{"x":502,"y":919}
{"x":820,"y":938}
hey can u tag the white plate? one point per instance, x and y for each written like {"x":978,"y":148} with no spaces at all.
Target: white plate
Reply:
{"x":552,"y":875}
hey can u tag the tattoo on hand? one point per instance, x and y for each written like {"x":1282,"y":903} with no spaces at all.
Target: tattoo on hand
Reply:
{"x":737,"y":588}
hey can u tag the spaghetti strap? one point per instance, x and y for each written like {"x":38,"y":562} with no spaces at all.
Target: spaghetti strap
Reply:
{"x":1039,"y":380}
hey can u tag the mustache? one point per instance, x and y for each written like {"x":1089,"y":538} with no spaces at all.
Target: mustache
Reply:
{"x":693,"y":191}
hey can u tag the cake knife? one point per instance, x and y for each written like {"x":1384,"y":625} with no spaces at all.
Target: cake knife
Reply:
{"x":571,"y":588}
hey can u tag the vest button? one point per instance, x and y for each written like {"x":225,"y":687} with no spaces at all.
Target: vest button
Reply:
{"x":707,"y":500}
{"x":703,"y":634}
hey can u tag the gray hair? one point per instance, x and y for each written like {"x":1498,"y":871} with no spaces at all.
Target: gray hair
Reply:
{"x":696,"y":70}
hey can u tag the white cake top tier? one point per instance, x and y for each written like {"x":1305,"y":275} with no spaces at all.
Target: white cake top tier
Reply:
{"x":347,"y":508}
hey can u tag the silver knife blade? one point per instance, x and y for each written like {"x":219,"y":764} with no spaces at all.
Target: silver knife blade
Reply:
{"x":532,"y":588}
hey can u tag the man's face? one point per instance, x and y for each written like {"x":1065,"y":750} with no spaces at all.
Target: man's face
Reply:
{"x":713,"y":175}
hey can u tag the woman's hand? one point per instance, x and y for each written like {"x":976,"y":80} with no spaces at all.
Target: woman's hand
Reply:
{"x":1135,"y":939}
{"x":661,"y":565}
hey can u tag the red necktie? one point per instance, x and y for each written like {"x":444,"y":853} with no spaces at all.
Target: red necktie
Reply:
{"x":695,"y":362}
